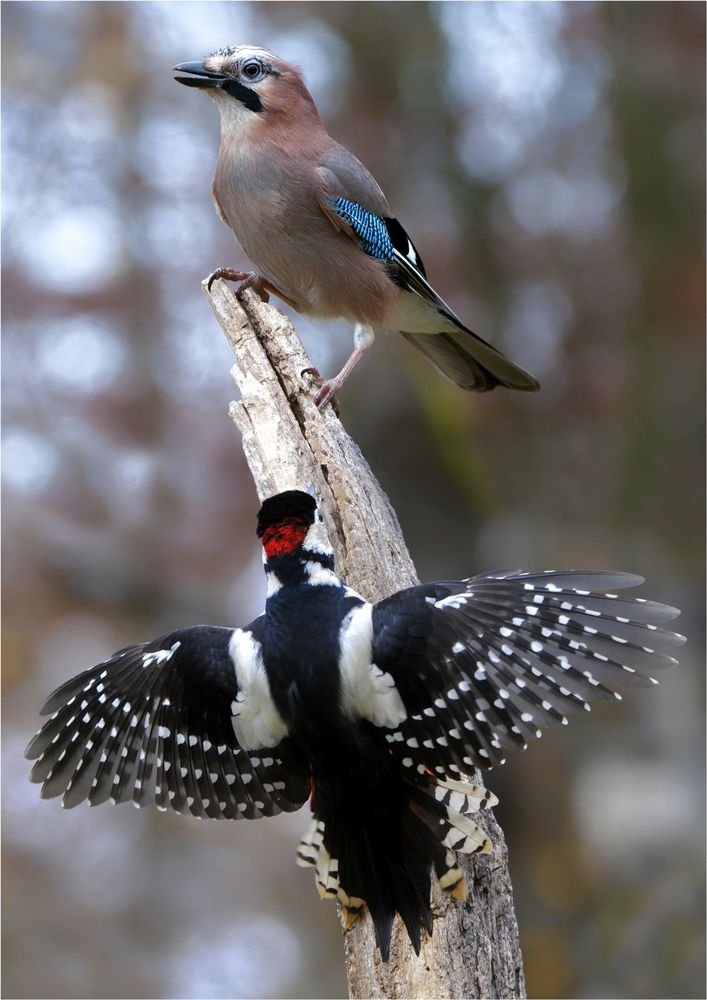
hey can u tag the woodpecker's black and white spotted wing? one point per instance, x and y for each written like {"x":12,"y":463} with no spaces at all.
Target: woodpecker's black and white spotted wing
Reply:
{"x":482,"y":664}
{"x":154,"y":725}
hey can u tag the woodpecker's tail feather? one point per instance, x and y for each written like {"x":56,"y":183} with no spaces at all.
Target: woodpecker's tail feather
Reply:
{"x":470,"y":362}
{"x":387,"y":865}
{"x":380,"y":864}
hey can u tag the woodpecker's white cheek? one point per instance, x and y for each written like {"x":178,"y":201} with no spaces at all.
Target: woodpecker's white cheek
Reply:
{"x":366,"y":692}
{"x":317,"y":540}
{"x":256,"y":721}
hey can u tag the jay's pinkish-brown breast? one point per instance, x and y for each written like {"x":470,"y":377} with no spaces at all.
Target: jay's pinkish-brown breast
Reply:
{"x":277,"y":219}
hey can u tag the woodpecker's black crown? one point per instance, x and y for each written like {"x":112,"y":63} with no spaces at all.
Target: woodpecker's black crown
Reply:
{"x":292,"y":504}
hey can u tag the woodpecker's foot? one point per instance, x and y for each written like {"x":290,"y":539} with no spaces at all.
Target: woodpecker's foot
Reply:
{"x":351,"y":907}
{"x":326,"y":389}
{"x":248,"y":279}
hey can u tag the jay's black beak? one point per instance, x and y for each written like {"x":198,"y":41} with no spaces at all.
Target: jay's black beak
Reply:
{"x":197,"y":76}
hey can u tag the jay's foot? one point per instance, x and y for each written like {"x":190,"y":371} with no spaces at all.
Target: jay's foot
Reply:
{"x":248,"y":279}
{"x":325,"y":390}
{"x":363,"y":338}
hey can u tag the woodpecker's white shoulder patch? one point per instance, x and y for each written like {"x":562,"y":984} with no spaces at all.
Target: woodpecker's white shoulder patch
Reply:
{"x":366,"y":691}
{"x":256,"y":721}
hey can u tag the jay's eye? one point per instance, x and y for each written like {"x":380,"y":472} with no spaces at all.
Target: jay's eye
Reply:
{"x":252,"y":70}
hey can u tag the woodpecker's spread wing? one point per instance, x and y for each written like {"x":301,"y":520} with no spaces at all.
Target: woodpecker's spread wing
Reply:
{"x":481,"y":664}
{"x":153,"y":725}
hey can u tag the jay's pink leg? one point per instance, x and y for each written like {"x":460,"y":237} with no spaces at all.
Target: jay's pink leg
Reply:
{"x":363,"y":339}
{"x":248,"y":279}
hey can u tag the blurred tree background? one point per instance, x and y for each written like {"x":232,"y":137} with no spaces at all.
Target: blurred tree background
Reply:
{"x":548,"y":160}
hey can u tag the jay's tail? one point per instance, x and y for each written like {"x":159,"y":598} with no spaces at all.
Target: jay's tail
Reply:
{"x":382,"y":854}
{"x":470,"y":362}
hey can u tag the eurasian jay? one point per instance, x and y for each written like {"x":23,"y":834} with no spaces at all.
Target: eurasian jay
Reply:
{"x":318,"y":227}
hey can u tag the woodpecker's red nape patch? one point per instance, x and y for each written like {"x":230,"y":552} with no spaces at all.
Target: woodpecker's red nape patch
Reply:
{"x":284,"y":537}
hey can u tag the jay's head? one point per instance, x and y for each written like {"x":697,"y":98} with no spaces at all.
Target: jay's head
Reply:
{"x":248,"y":84}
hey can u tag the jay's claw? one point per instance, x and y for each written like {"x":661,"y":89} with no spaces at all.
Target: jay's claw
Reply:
{"x":326,"y":389}
{"x":247,"y":279}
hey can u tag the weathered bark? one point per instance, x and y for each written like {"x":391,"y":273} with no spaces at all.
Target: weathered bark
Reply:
{"x":474,"y":950}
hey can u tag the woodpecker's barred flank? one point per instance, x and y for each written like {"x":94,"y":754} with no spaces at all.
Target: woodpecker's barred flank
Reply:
{"x":375,"y":712}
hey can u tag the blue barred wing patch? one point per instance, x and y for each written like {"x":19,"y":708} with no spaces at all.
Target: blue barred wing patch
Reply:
{"x":370,"y":228}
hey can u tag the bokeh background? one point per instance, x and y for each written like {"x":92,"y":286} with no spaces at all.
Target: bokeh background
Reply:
{"x":548,"y":160}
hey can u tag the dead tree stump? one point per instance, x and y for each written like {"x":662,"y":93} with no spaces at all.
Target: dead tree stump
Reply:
{"x":474,"y":950}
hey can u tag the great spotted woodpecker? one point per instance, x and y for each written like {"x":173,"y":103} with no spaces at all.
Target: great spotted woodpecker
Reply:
{"x":374,"y":711}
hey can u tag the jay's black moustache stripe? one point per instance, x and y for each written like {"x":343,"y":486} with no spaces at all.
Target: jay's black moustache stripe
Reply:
{"x":243,"y":94}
